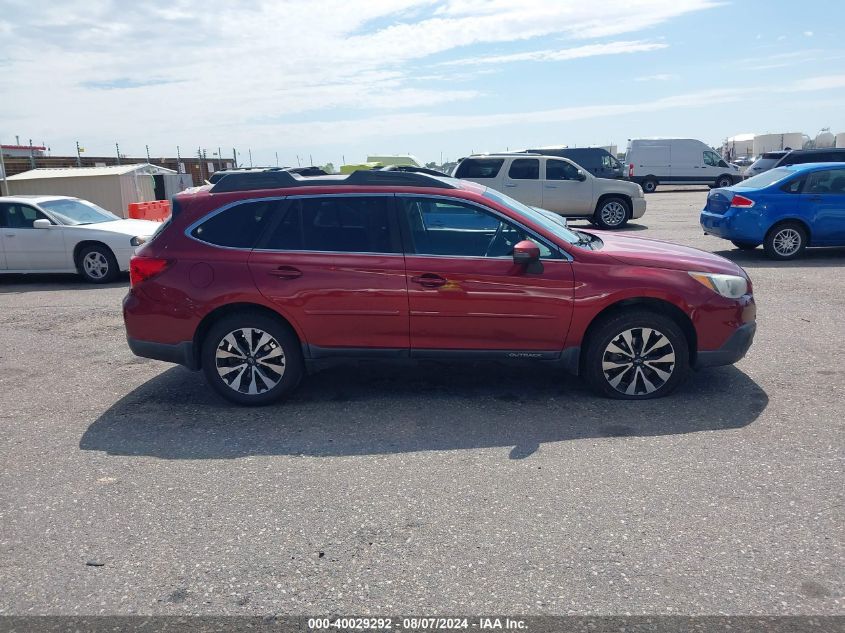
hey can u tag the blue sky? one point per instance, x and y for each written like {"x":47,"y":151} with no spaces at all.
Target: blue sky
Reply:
{"x":342,"y":79}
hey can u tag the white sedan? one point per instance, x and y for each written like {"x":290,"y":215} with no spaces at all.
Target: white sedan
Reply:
{"x":58,"y":234}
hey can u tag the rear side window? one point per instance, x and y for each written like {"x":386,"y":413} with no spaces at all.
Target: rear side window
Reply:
{"x":525,"y":169}
{"x":239,"y":226}
{"x":830,"y":181}
{"x":479,"y":168}
{"x":354,"y":224}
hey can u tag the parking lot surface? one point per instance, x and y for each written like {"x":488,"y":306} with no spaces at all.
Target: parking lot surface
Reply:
{"x":127,"y":486}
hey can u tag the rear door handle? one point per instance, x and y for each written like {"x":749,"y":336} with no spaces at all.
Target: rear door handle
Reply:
{"x":286,"y":272}
{"x":510,"y":185}
{"x":429,"y":280}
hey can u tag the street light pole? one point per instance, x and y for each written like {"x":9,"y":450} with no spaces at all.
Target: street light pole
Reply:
{"x":148,"y":153}
{"x":4,"y":190}
{"x":78,"y":155}
{"x":117,"y":148}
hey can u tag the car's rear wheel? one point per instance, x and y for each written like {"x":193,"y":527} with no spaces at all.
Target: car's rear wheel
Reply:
{"x":611,"y":213}
{"x":252,"y":359}
{"x":636,"y":356}
{"x":745,"y":246}
{"x":97,"y":264}
{"x":785,"y":241}
{"x":724,"y":181}
{"x":649,"y":185}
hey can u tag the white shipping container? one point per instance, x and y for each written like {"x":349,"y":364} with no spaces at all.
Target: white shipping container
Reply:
{"x":773,"y":142}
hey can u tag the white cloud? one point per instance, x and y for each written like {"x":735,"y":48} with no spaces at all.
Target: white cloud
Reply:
{"x":657,"y":77}
{"x":565,"y":54}
{"x":808,"y":33}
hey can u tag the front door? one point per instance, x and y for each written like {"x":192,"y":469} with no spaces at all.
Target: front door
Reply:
{"x":464,"y":291}
{"x":823,"y":203}
{"x":334,"y":264}
{"x":26,"y":247}
{"x":563,"y":190}
{"x":522,"y":182}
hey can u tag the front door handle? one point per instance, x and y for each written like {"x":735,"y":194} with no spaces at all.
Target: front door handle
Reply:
{"x":286,"y":272}
{"x":10,"y":234}
{"x":510,"y":185}
{"x":429,"y":280}
{"x":815,"y":198}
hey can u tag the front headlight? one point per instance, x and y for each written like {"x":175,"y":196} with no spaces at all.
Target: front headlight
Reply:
{"x":729,"y":286}
{"x":137,"y":241}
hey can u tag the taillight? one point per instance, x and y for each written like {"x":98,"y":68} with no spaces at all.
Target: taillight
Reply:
{"x":143,"y":268}
{"x":630,"y":170}
{"x":741,"y":202}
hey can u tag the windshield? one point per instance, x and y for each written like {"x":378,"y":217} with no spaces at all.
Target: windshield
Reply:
{"x":765,"y":179}
{"x":75,"y":212}
{"x":553,"y":225}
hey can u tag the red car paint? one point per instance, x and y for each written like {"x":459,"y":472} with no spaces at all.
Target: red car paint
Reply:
{"x":411,"y":302}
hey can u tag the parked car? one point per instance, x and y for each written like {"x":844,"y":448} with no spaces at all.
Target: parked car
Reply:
{"x":742,"y":161}
{"x":764,"y":162}
{"x":786,"y":209}
{"x":677,"y":161}
{"x":253,"y":285}
{"x":596,"y":160}
{"x":556,"y":184}
{"x":60,"y":234}
{"x":785,"y":158}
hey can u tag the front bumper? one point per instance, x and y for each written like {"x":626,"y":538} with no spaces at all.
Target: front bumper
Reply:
{"x":734,"y":348}
{"x":637,"y":207}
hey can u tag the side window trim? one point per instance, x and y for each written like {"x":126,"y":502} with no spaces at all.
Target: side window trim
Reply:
{"x":557,"y":252}
{"x":395,"y":234}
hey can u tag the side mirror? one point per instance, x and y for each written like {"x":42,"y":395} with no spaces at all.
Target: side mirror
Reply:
{"x":526,"y":252}
{"x":582,"y":176}
{"x":42,"y":224}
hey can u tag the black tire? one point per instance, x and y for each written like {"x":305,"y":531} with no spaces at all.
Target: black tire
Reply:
{"x":97,"y":264}
{"x":781,"y":236}
{"x":285,"y":368}
{"x":649,"y":369}
{"x":649,"y":185}
{"x":746,"y":246}
{"x":612,"y":213}
{"x":724,"y":181}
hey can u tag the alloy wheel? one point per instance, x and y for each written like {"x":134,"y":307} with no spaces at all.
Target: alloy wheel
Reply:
{"x":250,"y":361}
{"x":638,"y":361}
{"x":96,"y":265}
{"x":613,"y":213}
{"x":786,"y":242}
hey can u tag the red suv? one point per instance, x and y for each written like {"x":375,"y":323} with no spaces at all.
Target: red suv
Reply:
{"x":258,"y":276}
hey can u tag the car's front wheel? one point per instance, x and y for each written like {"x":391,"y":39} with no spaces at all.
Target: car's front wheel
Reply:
{"x":252,"y":358}
{"x":97,"y":264}
{"x":636,"y":356}
{"x":611,"y":213}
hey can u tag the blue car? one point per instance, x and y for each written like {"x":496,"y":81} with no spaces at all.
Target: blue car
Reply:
{"x":785,"y":209}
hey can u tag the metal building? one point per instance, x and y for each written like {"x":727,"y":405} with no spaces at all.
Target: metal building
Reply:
{"x":113,"y":187}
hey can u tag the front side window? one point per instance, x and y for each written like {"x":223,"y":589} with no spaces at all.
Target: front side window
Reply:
{"x":239,"y":226}
{"x":827,"y":181}
{"x":712,"y":159}
{"x":479,"y":168}
{"x":561,"y":170}
{"x":451,"y":228}
{"x":19,"y":216}
{"x":525,"y":169}
{"x":342,"y":224}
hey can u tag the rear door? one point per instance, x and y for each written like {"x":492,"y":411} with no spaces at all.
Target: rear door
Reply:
{"x":823,"y":203}
{"x":563,"y":192}
{"x":28,"y":248}
{"x":522,"y":181}
{"x":464,"y":291}
{"x":334,"y":264}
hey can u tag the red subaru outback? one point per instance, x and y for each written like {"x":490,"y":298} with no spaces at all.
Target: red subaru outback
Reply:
{"x":260,"y":275}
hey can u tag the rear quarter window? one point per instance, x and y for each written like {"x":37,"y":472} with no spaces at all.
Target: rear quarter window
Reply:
{"x":239,"y":226}
{"x":479,"y":168}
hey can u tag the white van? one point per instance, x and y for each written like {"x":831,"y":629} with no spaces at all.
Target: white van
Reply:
{"x":679,"y":161}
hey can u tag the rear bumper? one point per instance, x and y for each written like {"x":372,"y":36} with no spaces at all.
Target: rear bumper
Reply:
{"x":734,"y":348}
{"x":179,"y":353}
{"x":732,"y":225}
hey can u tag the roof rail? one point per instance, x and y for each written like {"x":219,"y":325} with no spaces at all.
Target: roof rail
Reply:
{"x":249,"y":180}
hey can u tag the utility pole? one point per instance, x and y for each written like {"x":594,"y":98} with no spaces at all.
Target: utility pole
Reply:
{"x":250,"y":157}
{"x":179,"y":161}
{"x":31,"y":155}
{"x":117,"y":148}
{"x":78,"y":155}
{"x":235,"y":157}
{"x":310,"y":160}
{"x":219,"y":158}
{"x":199,"y":159}
{"x":277,"y":159}
{"x":298,"y":163}
{"x":148,"y":152}
{"x":4,"y":189}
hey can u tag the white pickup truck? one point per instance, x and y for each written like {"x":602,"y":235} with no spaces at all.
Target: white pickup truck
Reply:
{"x":558,"y":185}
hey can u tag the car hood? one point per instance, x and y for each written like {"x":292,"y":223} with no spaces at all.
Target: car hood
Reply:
{"x":133,"y":228}
{"x":638,"y":251}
